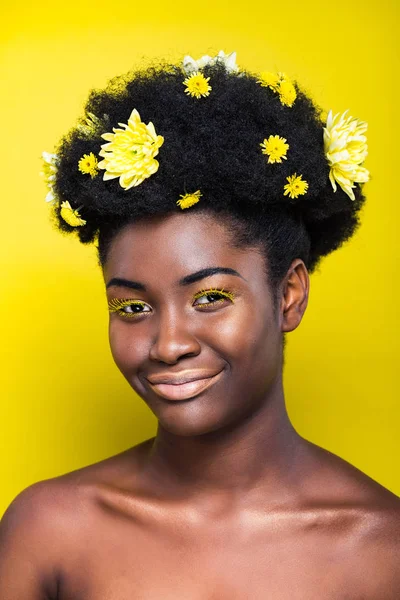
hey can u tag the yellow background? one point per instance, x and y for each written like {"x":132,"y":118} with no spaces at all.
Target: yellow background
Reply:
{"x":64,"y":404}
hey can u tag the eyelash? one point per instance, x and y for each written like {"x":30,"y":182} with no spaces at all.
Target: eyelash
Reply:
{"x":117,"y":305}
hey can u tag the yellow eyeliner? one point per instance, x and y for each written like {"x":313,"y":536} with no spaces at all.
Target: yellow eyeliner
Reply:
{"x":211,"y":291}
{"x":116,"y":305}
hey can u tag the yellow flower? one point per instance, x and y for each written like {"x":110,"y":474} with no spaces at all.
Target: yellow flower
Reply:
{"x":71,"y":216}
{"x":50,"y":162}
{"x":275,"y":147}
{"x":130,"y":152}
{"x":197,"y":85}
{"x":346,"y":148}
{"x":287,"y":92}
{"x":281,"y":84}
{"x":188,"y":200}
{"x":271,"y":80}
{"x":89,"y":164}
{"x":296,"y":186}
{"x":92,"y":125}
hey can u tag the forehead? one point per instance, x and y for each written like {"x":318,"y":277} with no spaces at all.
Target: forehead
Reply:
{"x":166,"y":248}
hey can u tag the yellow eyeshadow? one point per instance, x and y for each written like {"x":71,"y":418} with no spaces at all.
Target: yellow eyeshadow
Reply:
{"x":116,"y":305}
{"x":224,"y":293}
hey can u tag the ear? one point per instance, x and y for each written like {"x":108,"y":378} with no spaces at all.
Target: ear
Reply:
{"x":294,"y":297}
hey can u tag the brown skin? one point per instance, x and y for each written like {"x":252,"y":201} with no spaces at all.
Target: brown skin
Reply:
{"x":228,"y":501}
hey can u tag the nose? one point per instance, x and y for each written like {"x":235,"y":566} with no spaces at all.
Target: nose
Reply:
{"x":173,"y":341}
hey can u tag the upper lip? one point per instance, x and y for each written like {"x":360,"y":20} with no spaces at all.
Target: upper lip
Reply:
{"x":179,"y":378}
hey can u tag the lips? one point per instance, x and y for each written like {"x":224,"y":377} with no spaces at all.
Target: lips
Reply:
{"x":182,"y":386}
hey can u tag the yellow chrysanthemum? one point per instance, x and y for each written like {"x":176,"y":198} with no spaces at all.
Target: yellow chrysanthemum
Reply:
{"x":287,"y":92}
{"x":281,"y":84}
{"x":92,"y":125}
{"x":88,"y":164}
{"x":130,"y":152}
{"x":271,"y":80}
{"x":296,"y":186}
{"x":346,"y":148}
{"x":188,"y":200}
{"x":197,"y":85}
{"x":276,"y":148}
{"x":71,"y":216}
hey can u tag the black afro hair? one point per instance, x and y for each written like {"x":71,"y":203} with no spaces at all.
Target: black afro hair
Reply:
{"x":211,"y":144}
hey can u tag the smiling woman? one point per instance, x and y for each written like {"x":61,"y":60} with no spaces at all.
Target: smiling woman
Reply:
{"x":206,"y":253}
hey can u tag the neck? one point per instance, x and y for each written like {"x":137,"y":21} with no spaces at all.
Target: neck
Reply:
{"x":263,"y":450}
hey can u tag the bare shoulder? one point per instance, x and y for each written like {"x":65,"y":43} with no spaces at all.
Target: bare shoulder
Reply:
{"x":364,"y":516}
{"x":49,"y":520}
{"x":33,"y":531}
{"x":54,"y":500}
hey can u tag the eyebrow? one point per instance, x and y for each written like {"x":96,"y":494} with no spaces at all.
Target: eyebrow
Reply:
{"x":187,"y":280}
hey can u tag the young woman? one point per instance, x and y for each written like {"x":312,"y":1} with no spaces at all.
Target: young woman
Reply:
{"x":212,"y":194}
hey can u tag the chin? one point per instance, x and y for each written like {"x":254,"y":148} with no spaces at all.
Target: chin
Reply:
{"x":212,"y":410}
{"x":188,"y":420}
{"x":195,"y":417}
{"x":187,"y":428}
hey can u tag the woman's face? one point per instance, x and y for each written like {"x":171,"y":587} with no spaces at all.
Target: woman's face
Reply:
{"x":196,"y":335}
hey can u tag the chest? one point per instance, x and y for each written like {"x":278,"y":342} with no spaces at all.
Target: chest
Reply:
{"x":130,"y":563}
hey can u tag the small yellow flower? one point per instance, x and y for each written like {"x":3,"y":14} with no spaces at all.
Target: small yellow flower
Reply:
{"x":197,"y":85}
{"x":130,"y":152}
{"x":296,"y":186}
{"x":287,"y":92}
{"x":89,"y":164}
{"x":281,"y":84}
{"x":276,"y":148}
{"x":188,"y":200}
{"x":71,"y":216}
{"x":346,"y":148}
{"x":271,"y":80}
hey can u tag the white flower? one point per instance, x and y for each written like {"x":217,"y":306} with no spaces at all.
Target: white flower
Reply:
{"x":346,"y":148}
{"x":50,"y":162}
{"x":229,"y":60}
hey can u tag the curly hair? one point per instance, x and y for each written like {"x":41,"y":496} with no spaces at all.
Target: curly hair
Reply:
{"x":212,"y":144}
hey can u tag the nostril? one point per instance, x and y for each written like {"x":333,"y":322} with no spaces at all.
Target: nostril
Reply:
{"x":170,"y":349}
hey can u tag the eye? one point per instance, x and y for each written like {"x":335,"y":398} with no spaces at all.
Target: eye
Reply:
{"x":212,"y":297}
{"x":128,"y":308}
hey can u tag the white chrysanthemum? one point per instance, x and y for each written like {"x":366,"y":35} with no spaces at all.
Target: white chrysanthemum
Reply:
{"x":346,"y":149}
{"x":229,"y":60}
{"x":50,"y":162}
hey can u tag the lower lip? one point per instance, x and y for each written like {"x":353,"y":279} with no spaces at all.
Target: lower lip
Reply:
{"x":184,"y":391}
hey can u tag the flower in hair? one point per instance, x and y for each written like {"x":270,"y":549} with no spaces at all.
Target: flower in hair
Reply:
{"x":346,"y":149}
{"x":92,"y":125}
{"x":229,"y":60}
{"x":276,"y":148}
{"x":187,"y":200}
{"x":130,"y":151}
{"x":50,"y":163}
{"x":281,"y":84}
{"x":287,"y":92}
{"x":88,"y":164}
{"x":197,"y":85}
{"x":271,"y":80}
{"x":296,"y":186}
{"x":70,"y":215}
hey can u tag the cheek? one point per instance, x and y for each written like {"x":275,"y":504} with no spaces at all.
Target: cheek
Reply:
{"x":127,"y":343}
{"x":247,"y":336}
